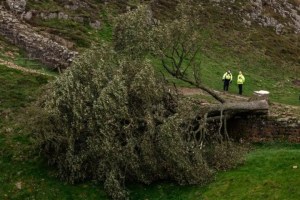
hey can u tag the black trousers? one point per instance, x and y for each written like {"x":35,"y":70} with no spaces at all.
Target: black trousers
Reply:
{"x":226,"y":85}
{"x":240,"y":89}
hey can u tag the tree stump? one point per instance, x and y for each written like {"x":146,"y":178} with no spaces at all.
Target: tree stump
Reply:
{"x":260,"y":95}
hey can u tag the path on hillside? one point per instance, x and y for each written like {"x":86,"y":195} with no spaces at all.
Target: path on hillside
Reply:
{"x":23,"y":69}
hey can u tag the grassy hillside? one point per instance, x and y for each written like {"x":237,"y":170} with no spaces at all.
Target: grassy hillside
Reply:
{"x":266,"y":173}
{"x":269,"y":61}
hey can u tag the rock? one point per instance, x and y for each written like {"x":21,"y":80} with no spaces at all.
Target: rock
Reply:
{"x":52,"y":15}
{"x":260,"y":95}
{"x":294,"y":125}
{"x":72,"y":7}
{"x":78,"y":19}
{"x":43,"y":16}
{"x":17,"y":6}
{"x":246,"y":22}
{"x":19,"y":185}
{"x":27,"y":16}
{"x":62,"y":15}
{"x":286,"y":119}
{"x":95,"y":25}
{"x":284,"y":9}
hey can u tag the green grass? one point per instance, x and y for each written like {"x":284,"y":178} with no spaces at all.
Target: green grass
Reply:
{"x":268,"y":61}
{"x":265,"y":60}
{"x":80,"y":34}
{"x":37,"y":183}
{"x":18,"y":56}
{"x":262,"y":72}
{"x":44,"y":5}
{"x":267,"y":174}
{"x":17,"y":89}
{"x":269,"y":77}
{"x":22,"y":60}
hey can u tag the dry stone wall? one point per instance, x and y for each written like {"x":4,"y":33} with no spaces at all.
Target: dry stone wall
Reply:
{"x":260,"y":129}
{"x":36,"y":45}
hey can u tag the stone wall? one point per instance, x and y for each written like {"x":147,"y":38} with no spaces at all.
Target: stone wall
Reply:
{"x":258,"y":129}
{"x":36,"y":45}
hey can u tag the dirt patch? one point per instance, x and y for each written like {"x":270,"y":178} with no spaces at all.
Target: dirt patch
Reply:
{"x":296,"y":82}
{"x":190,"y":91}
{"x":14,"y":66}
{"x":10,"y":54}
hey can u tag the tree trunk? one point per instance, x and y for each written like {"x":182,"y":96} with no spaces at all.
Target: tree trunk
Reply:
{"x":212,"y":93}
{"x":239,"y":108}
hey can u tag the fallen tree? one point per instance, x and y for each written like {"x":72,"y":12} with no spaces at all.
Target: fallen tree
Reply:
{"x":260,"y":107}
{"x":111,"y":119}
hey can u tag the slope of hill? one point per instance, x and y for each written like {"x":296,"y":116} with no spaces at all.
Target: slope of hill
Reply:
{"x":261,"y":38}
{"x":268,"y":56}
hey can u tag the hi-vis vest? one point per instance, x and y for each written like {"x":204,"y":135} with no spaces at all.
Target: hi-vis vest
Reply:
{"x":240,"y":79}
{"x":227,"y":76}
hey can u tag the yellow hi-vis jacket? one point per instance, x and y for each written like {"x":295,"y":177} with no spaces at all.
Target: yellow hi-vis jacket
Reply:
{"x":227,"y":76}
{"x":240,"y":79}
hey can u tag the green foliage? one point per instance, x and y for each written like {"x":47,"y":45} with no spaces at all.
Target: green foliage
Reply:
{"x":175,"y":43}
{"x":132,"y":32}
{"x":225,"y":156}
{"x":110,"y":119}
{"x":198,"y":50}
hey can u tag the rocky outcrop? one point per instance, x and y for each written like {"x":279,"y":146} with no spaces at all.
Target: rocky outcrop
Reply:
{"x":279,"y":14}
{"x":282,"y":15}
{"x":36,"y":45}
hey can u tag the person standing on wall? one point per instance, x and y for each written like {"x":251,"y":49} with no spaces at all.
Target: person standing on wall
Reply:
{"x":227,"y":79}
{"x":240,"y":82}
